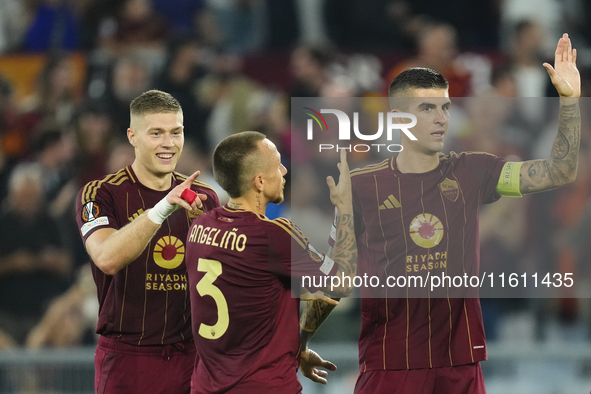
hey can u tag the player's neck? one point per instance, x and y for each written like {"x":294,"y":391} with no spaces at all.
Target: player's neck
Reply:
{"x":150,"y":180}
{"x":415,"y":163}
{"x":250,"y":203}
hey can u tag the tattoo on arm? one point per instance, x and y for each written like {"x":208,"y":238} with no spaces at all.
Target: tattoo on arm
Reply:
{"x":561,"y":146}
{"x":344,"y":252}
{"x":561,"y":168}
{"x":314,"y":314}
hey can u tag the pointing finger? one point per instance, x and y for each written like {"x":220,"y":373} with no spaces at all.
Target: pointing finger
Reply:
{"x":192,"y":178}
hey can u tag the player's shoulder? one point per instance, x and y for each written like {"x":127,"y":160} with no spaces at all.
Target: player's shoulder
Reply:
{"x":198,"y":186}
{"x":371,"y":169}
{"x":92,"y":188}
{"x":278,"y":224}
{"x":283,"y":227}
{"x":465,"y":157}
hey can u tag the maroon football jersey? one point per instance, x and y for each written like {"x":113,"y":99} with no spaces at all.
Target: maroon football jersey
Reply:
{"x":419,"y":224}
{"x":147,"y":302}
{"x":245,"y":320}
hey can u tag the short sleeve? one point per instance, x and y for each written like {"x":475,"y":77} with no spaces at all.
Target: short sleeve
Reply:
{"x":95,"y":209}
{"x":212,"y":201}
{"x":299,"y":258}
{"x":488,"y":169}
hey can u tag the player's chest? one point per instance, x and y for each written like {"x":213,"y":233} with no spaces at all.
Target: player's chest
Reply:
{"x":396,"y":207}
{"x":395,"y":196}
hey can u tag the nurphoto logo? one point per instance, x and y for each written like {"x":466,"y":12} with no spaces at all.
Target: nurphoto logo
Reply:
{"x":345,"y":129}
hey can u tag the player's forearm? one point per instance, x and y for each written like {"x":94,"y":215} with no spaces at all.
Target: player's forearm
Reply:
{"x":313,"y":315}
{"x":123,"y":246}
{"x":565,"y":150}
{"x":344,"y":252}
{"x":561,"y":168}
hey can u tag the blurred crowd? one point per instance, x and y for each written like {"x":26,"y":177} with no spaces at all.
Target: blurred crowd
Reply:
{"x":69,"y":68}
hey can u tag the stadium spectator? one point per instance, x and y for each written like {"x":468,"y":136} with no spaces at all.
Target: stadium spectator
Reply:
{"x":13,"y":24}
{"x":376,"y":25}
{"x":180,"y":77}
{"x":309,"y":67}
{"x":227,"y":95}
{"x":70,"y":319}
{"x":437,"y":49}
{"x":54,"y":28}
{"x":34,"y":264}
{"x":54,"y":101}
{"x":137,"y":26}
{"x":93,"y":128}
{"x":130,"y":77}
{"x":181,"y":15}
{"x":236,"y":23}
{"x":527,"y":53}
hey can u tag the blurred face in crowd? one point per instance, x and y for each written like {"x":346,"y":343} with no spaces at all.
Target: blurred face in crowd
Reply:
{"x":26,"y":195}
{"x":530,"y":40}
{"x":303,"y":65}
{"x":438,"y":44}
{"x":130,"y":79}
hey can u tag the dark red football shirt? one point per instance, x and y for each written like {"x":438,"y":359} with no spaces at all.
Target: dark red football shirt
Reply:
{"x":418,"y":224}
{"x":147,"y":302}
{"x":245,"y":320}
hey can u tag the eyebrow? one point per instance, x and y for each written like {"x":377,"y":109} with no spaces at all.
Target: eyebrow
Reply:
{"x":162,"y":129}
{"x":431,"y":105}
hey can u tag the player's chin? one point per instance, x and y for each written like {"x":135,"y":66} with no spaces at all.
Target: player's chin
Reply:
{"x":279,"y":199}
{"x":167,"y":167}
{"x":436,"y":146}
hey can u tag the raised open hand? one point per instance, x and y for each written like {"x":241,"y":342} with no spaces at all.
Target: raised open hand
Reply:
{"x":565,"y":76}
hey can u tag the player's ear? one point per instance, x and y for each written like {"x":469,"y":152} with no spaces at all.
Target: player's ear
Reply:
{"x":259,"y":182}
{"x":131,"y":136}
{"x":398,"y":120}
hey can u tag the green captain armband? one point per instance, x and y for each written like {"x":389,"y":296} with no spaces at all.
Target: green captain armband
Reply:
{"x":508,"y":185}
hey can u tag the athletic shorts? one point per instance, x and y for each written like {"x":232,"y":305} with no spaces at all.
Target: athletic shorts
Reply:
{"x":120,"y":368}
{"x":463,"y":379}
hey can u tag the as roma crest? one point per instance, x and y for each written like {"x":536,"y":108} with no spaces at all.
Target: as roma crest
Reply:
{"x":450,"y":189}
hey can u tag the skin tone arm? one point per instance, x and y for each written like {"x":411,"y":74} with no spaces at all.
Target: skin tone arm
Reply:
{"x":561,"y":168}
{"x":112,"y":250}
{"x":344,"y":254}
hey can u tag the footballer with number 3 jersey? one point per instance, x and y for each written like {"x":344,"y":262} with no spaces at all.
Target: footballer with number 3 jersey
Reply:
{"x":241,"y":265}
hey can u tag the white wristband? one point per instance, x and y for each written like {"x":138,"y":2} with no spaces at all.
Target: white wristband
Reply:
{"x":161,"y":211}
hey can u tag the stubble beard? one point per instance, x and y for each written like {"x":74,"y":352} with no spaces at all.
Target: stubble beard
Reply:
{"x":278,"y":199}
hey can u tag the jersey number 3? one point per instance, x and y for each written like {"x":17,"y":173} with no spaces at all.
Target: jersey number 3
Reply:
{"x":205,"y":287}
